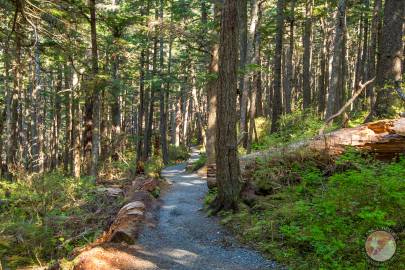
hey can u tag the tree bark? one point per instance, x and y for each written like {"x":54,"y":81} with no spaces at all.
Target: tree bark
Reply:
{"x":68,"y":118}
{"x":162,"y":106}
{"x":288,"y":86}
{"x":375,"y":33}
{"x":227,"y":162}
{"x":389,"y":69}
{"x":277,"y":101}
{"x":334,"y":90}
{"x":255,"y":87}
{"x":306,"y":59}
{"x":212,"y":95}
{"x":11,"y":157}
{"x":76,"y":151}
{"x":247,"y":70}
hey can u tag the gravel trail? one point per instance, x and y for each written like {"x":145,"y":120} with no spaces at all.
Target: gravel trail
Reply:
{"x":184,"y":238}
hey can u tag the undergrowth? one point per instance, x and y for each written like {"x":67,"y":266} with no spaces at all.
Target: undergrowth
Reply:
{"x":199,"y":163}
{"x":307,"y":210}
{"x":43,"y":218}
{"x":294,"y":127}
{"x":178,"y":153}
{"x":314,"y":213}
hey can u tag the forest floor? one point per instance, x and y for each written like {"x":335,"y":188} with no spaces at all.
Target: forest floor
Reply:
{"x":185,"y":238}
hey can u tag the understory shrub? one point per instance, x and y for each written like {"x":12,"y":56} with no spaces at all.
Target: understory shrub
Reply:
{"x":43,"y":218}
{"x":294,"y":127}
{"x":178,"y":153}
{"x":154,"y":166}
{"x":317,"y":212}
{"x":199,"y":163}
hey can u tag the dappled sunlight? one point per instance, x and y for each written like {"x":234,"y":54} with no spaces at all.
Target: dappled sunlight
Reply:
{"x":180,"y":254}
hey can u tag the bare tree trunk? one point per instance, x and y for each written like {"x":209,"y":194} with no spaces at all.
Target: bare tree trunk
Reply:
{"x":277,"y":101}
{"x":337,"y":62}
{"x":306,"y":59}
{"x":389,"y":67}
{"x":6,"y":110}
{"x":11,"y":157}
{"x":141,"y":112}
{"x":255,"y":86}
{"x":227,"y":162}
{"x":115,"y":106}
{"x":36,"y":166}
{"x":149,"y":124}
{"x":76,"y":149}
{"x":288,"y":86}
{"x":162,"y":106}
{"x":68,"y":118}
{"x":92,"y":110}
{"x":247,"y":73}
{"x":212,"y":88}
{"x":243,"y":39}
{"x":375,"y":33}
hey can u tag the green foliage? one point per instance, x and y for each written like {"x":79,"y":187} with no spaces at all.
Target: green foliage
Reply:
{"x":321,"y":221}
{"x":178,"y":153}
{"x":119,"y":169}
{"x":154,"y":166}
{"x":199,"y":163}
{"x":294,"y":127}
{"x":287,"y":169}
{"x":44,"y":218}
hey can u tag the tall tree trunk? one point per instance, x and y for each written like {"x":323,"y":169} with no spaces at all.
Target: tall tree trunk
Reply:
{"x":57,"y":119}
{"x":149,"y":124}
{"x":243,"y":40}
{"x":323,"y":78}
{"x":91,"y":137}
{"x":337,"y":62}
{"x":227,"y":162}
{"x":255,"y":86}
{"x":277,"y":101}
{"x":306,"y":59}
{"x":288,"y":86}
{"x":141,"y":112}
{"x":247,"y":73}
{"x":371,"y":65}
{"x":389,"y":67}
{"x":76,"y":151}
{"x":35,"y":147}
{"x":68,"y":118}
{"x":6,"y":110}
{"x":162,"y":107}
{"x":143,"y":66}
{"x":12,"y":131}
{"x":212,"y":88}
{"x":116,"y":91}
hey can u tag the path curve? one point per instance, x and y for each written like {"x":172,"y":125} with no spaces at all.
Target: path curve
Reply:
{"x":184,"y":238}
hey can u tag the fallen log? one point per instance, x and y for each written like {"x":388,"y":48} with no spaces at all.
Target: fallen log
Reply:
{"x":385,"y":139}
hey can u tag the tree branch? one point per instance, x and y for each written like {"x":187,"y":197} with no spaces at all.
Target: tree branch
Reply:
{"x":360,"y":89}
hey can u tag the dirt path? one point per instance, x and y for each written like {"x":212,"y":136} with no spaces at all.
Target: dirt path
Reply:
{"x":184,"y":238}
